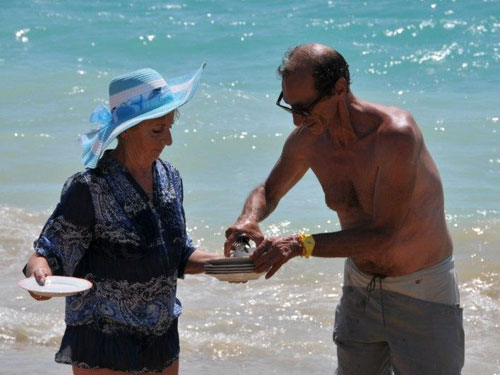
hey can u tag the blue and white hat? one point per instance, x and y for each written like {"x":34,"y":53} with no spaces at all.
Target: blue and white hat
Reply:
{"x":135,"y":97}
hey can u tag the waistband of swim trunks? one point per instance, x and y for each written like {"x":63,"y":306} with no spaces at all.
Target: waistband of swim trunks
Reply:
{"x":444,"y":266}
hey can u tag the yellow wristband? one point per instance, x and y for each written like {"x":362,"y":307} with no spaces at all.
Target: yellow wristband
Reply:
{"x":307,"y":242}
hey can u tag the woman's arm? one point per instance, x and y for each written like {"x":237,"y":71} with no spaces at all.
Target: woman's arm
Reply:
{"x":198,"y":259}
{"x":66,"y":235}
{"x":69,"y":230}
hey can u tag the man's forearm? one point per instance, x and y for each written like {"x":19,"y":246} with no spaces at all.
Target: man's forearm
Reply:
{"x":352,"y":242}
{"x":257,"y":206}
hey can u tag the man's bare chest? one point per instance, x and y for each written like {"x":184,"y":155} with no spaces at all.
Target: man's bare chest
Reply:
{"x":348,"y":179}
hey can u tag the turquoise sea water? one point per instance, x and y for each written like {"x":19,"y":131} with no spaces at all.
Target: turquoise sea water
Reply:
{"x":438,"y":59}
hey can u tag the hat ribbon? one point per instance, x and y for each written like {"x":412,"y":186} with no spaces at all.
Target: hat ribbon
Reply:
{"x":129,"y":109}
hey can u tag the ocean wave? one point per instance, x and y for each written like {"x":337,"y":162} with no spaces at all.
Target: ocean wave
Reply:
{"x":290,"y":313}
{"x":22,"y":327}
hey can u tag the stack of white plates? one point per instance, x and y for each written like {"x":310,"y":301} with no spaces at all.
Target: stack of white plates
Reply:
{"x":232,"y":269}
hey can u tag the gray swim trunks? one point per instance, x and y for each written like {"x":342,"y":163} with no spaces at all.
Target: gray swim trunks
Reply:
{"x":406,"y":325}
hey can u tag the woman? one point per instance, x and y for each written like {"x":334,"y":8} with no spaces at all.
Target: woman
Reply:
{"x":121,"y":225}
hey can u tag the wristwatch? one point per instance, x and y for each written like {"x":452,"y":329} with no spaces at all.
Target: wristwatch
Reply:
{"x":307,"y":242}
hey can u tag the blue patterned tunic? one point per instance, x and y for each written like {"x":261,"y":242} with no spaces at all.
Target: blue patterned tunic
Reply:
{"x":106,"y":229}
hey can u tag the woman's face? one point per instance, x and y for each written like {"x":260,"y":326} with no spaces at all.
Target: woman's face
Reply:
{"x":150,"y":137}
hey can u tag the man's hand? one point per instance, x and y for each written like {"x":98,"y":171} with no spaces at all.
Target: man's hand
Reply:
{"x":250,"y":228}
{"x":272,"y":253}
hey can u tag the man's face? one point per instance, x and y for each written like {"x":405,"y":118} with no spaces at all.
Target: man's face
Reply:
{"x":299,"y":92}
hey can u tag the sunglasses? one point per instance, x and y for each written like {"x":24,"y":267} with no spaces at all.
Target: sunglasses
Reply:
{"x":298,"y":110}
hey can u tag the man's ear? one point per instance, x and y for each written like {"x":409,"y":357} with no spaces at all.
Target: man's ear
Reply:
{"x":341,"y":86}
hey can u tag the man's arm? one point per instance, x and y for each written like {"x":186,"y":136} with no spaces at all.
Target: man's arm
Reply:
{"x":397,"y":152}
{"x":288,"y":170}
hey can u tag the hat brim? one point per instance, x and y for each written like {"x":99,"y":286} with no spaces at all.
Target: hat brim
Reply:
{"x":183,"y":89}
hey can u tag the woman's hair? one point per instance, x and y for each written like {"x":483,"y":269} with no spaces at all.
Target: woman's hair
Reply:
{"x":326,"y":66}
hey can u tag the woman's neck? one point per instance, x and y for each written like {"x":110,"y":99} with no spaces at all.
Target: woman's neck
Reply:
{"x":140,"y":169}
{"x":133,"y":161}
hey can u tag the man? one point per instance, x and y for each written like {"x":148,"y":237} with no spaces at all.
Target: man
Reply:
{"x":400,"y":305}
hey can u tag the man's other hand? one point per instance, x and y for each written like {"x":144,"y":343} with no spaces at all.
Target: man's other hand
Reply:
{"x":273,"y":252}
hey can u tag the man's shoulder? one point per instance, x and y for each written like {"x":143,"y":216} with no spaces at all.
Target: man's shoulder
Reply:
{"x":298,"y":143}
{"x":398,"y":124}
{"x":398,"y":132}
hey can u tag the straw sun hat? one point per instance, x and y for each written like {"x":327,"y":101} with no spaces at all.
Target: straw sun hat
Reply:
{"x":134,"y":97}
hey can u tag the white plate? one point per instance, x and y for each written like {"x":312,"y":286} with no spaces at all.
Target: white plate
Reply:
{"x":221,"y":268}
{"x":231,"y":271}
{"x":56,"y":286}
{"x":226,"y":261}
{"x":237,"y":276}
{"x":228,"y":272}
{"x":233,"y":265}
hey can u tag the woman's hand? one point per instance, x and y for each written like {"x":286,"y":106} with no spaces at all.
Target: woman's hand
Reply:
{"x":38,"y":267}
{"x":250,"y":228}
